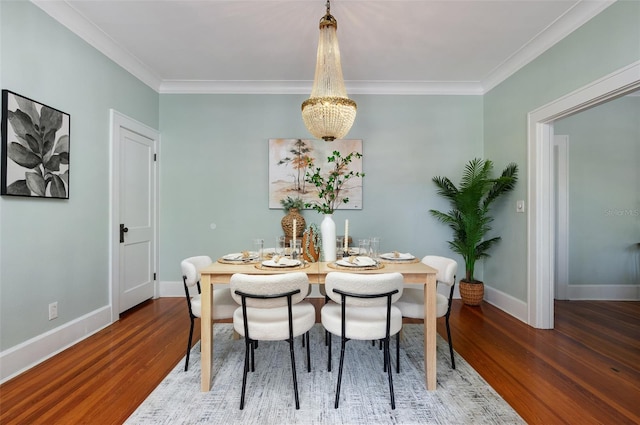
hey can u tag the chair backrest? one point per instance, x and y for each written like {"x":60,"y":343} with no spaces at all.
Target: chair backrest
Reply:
{"x":364,"y":284}
{"x":447,"y":268}
{"x":190,"y":267}
{"x":269,"y":285}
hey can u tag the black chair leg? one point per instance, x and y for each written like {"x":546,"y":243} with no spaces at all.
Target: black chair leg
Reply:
{"x":453,"y":360}
{"x":308,"y":352}
{"x":329,"y":353}
{"x":247,"y":346}
{"x":384,"y":357}
{"x":252,"y":354}
{"x":326,"y":332}
{"x":344,"y":341}
{"x":398,"y":352}
{"x":293,"y":372}
{"x":186,"y":363}
{"x":388,"y":366}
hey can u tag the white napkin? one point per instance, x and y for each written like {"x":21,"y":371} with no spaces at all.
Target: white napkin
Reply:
{"x":239,"y":256}
{"x":397,"y":256}
{"x":360,"y":261}
{"x":283,"y":261}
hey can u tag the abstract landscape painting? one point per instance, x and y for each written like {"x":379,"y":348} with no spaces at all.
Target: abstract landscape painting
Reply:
{"x":289,"y":163}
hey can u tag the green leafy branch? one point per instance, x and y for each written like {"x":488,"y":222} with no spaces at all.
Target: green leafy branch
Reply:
{"x":331,"y":185}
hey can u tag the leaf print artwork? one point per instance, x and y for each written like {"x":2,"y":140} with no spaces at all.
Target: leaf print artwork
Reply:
{"x":35,"y":148}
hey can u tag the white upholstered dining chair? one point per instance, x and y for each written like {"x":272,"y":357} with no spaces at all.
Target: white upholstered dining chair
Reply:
{"x":223,"y":304}
{"x":272,"y":309}
{"x":362,"y":309}
{"x":412,"y":301}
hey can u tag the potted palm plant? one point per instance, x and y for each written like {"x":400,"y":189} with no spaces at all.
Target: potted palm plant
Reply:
{"x":470,"y":217}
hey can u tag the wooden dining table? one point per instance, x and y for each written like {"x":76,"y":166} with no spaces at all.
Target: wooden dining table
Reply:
{"x":416,"y":273}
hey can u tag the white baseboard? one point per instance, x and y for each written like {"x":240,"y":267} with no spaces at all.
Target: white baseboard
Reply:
{"x":170,"y":289}
{"x":21,"y":357}
{"x":507,"y":303}
{"x":604,"y":292}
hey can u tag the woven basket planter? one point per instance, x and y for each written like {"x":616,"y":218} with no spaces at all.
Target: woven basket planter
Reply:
{"x":471,"y":293}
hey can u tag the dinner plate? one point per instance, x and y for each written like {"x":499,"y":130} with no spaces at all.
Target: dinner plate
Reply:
{"x":399,"y":256}
{"x":282,"y":262}
{"x":239,"y":256}
{"x":358,"y":261}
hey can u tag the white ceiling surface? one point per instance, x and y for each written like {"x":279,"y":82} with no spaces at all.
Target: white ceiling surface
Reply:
{"x":269,"y":46}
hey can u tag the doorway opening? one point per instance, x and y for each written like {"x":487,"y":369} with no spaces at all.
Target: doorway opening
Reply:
{"x":541,"y":191}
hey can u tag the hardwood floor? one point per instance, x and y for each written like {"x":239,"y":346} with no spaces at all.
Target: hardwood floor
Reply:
{"x":104,"y":378}
{"x":586,"y":371}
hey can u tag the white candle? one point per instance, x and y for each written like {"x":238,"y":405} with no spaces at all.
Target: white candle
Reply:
{"x":346,"y":236}
{"x":294,"y":233}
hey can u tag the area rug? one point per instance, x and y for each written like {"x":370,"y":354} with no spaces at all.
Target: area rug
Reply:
{"x":461,"y":397}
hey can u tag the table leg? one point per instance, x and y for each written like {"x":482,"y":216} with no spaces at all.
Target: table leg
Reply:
{"x":430,"y":333}
{"x":206,"y":334}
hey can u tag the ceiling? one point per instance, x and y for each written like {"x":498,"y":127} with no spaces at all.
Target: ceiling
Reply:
{"x":269,"y":46}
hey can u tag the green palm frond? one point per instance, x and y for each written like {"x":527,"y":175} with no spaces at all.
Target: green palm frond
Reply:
{"x":469,"y":216}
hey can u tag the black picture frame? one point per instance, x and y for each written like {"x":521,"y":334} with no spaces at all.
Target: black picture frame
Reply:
{"x":35,"y":148}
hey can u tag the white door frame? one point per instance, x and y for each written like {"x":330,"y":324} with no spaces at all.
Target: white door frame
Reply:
{"x":561,"y":159}
{"x":117,"y":121}
{"x":540,"y":220}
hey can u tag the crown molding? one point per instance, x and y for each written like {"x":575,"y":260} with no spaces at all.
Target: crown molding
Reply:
{"x":68,"y":16}
{"x":571,"y":20}
{"x":304,"y":87}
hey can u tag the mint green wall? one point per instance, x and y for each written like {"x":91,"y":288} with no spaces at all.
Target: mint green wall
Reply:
{"x":57,"y":250}
{"x":213,"y":163}
{"x":604,"y":193}
{"x":214,"y":169}
{"x":608,"y":42}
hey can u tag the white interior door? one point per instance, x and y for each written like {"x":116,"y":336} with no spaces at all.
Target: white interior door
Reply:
{"x":134,"y":213}
{"x":137,"y":242}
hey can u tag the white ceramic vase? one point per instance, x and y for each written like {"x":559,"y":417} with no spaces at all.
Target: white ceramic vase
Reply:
{"x":328,"y":232}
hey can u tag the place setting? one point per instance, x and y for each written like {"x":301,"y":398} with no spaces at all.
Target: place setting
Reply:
{"x":361,"y":258}
{"x":283,"y":257}
{"x":398,"y":257}
{"x":244,"y":257}
{"x":254,"y":256}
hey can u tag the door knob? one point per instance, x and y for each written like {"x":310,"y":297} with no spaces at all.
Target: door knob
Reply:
{"x":123,"y":230}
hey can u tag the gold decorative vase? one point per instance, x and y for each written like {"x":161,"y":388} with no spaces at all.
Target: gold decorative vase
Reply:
{"x":310,"y":248}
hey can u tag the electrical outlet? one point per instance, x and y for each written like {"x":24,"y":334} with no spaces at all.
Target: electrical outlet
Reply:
{"x":53,"y":310}
{"x":520,"y":206}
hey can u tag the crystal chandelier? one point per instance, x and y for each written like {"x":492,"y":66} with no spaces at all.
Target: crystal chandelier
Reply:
{"x":328,"y":114}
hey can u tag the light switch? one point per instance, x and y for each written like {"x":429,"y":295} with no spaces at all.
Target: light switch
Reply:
{"x":520,"y":206}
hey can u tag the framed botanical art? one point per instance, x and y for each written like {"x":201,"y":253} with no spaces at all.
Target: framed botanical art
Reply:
{"x":35,"y":148}
{"x":289,"y":163}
